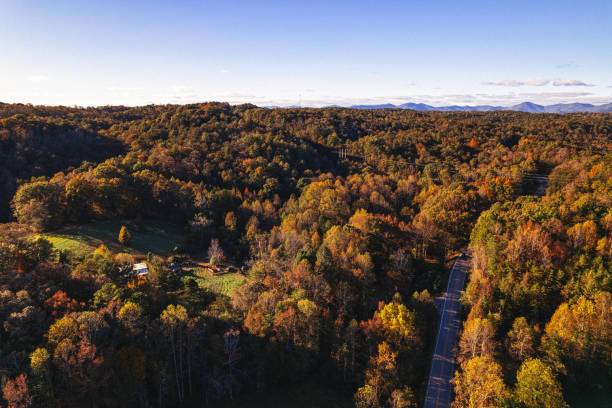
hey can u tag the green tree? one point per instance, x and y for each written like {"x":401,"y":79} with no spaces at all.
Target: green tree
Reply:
{"x":39,"y":204}
{"x":107,"y":293}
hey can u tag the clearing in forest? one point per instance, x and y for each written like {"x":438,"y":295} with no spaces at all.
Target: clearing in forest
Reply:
{"x":154,"y":236}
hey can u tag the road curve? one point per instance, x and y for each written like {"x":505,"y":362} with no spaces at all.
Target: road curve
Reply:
{"x":439,"y":388}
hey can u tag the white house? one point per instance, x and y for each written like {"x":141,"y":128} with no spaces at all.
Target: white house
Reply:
{"x":141,"y":269}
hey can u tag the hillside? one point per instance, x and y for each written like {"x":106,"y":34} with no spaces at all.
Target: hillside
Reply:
{"x":328,"y":265}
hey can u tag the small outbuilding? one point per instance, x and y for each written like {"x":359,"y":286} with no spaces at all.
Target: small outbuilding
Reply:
{"x":141,"y":269}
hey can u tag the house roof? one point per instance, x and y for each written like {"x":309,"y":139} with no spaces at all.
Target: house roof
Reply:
{"x":141,"y":268}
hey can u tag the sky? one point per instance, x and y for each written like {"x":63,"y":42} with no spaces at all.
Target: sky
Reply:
{"x":308,"y":53}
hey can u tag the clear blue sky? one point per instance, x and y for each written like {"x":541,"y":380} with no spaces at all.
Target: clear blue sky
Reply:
{"x":326,"y":52}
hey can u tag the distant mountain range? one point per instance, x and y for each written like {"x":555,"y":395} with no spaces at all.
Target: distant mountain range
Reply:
{"x":521,"y":107}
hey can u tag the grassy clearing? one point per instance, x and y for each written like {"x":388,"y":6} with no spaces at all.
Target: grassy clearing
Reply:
{"x":221,"y":284}
{"x":590,"y":399}
{"x":157,"y":237}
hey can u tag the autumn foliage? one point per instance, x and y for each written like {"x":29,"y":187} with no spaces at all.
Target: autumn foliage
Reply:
{"x":325,"y":271}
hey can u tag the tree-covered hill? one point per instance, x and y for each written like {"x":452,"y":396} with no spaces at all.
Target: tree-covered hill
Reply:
{"x":341,"y":256}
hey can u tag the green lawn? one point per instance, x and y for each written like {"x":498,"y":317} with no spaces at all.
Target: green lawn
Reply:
{"x":157,"y":237}
{"x":589,"y":399}
{"x":221,"y":284}
{"x":154,"y":236}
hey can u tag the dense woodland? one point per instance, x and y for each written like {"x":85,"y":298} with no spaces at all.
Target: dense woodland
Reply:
{"x":343,"y":257}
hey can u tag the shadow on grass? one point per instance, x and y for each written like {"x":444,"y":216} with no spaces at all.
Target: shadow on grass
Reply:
{"x":154,"y":236}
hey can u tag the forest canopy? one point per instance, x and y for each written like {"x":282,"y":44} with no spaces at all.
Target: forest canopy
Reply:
{"x":335,"y":260}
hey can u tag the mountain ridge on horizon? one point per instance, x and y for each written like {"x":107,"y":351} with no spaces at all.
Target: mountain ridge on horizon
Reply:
{"x":528,"y":107}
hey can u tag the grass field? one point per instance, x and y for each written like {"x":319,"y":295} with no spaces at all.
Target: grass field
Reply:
{"x":221,"y":284}
{"x":590,"y":399}
{"x":154,"y":236}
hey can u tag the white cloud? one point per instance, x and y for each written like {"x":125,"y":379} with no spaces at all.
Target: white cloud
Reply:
{"x":238,"y":95}
{"x":516,"y":82}
{"x":181,"y":89}
{"x":554,"y":96}
{"x":38,"y":78}
{"x":569,"y":64}
{"x":537,"y":82}
{"x":124,"y":89}
{"x":569,"y":82}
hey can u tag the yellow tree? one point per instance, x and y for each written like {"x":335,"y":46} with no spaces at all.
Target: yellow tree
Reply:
{"x":476,"y":339}
{"x":309,"y":323}
{"x":537,"y":387}
{"x":479,"y":385}
{"x":381,"y":378}
{"x":231,"y":221}
{"x":520,"y":339}
{"x":581,"y":333}
{"x":402,"y":398}
{"x":39,"y":360}
{"x":398,"y":323}
{"x":130,"y":315}
{"x":361,"y":220}
{"x":366,"y":397}
{"x":583,"y":235}
{"x":174,"y":319}
{"x":64,"y":328}
{"x":124,"y":236}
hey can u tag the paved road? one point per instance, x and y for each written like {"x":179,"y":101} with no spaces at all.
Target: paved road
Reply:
{"x":439,"y":388}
